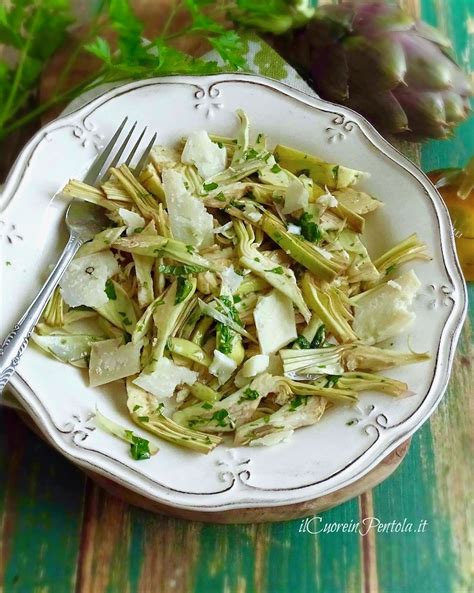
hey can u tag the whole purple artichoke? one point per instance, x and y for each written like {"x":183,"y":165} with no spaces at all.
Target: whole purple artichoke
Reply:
{"x":375,"y":58}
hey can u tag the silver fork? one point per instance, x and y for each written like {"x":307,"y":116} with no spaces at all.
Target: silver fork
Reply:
{"x":294,"y":376}
{"x":84,"y":220}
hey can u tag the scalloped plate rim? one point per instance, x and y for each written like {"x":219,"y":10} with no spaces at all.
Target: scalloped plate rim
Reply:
{"x":86,"y":458}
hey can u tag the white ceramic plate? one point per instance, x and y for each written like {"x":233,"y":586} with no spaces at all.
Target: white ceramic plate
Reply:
{"x":320,"y":458}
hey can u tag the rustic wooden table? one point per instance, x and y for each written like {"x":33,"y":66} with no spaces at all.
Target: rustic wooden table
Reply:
{"x":60,"y":533}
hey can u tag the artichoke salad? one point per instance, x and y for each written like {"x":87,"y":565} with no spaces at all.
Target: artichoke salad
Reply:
{"x":232,"y":293}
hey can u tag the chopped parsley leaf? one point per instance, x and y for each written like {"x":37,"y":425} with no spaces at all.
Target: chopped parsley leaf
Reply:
{"x":302,"y":343}
{"x":228,"y":302}
{"x":309,"y":229}
{"x":192,"y":422}
{"x":319,"y":337}
{"x":277,"y":270}
{"x":331,"y":380}
{"x":226,"y":335}
{"x":110,"y":290}
{"x":125,"y":319}
{"x":183,"y":288}
{"x":225,"y":338}
{"x":297,"y":401}
{"x":251,"y":154}
{"x":249,"y":394}
{"x":183,"y":270}
{"x":221,"y":417}
{"x":139,"y":448}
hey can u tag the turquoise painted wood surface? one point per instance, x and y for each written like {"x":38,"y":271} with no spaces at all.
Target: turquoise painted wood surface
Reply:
{"x":61,"y":534}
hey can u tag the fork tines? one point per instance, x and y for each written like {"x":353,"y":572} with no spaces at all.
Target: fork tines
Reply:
{"x":94,"y":174}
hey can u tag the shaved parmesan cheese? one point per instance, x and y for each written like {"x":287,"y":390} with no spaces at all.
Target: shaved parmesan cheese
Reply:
{"x":296,"y":197}
{"x":327,"y":200}
{"x":255,"y":365}
{"x":282,"y":436}
{"x":133,"y":220}
{"x":394,"y":284}
{"x":230,"y":280}
{"x":225,"y":227}
{"x":275,"y":321}
{"x":294,"y":229}
{"x":165,"y":378}
{"x":205,"y":155}
{"x":110,"y":361}
{"x":384,"y":312}
{"x":84,"y":281}
{"x":222,"y":367}
{"x":189,"y":220}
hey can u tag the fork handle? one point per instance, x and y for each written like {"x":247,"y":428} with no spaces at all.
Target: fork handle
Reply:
{"x":17,"y":340}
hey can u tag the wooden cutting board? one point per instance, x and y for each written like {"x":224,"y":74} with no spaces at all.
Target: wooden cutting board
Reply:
{"x":154,"y":13}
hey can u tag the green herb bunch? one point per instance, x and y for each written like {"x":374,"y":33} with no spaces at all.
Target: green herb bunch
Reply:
{"x":31,"y":31}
